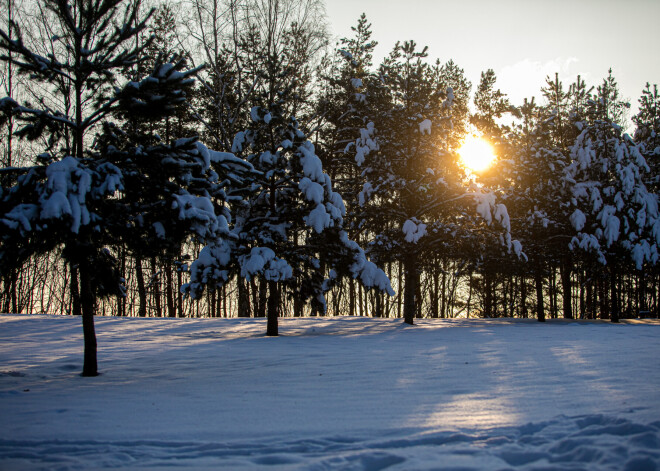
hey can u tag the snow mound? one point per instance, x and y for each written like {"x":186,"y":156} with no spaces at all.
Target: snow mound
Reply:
{"x":566,"y":443}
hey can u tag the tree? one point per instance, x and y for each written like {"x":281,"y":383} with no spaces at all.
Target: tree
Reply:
{"x":342,"y":106}
{"x":414,"y":200}
{"x":121,"y":188}
{"x":289,"y":232}
{"x":615,"y":216}
{"x":647,"y":134}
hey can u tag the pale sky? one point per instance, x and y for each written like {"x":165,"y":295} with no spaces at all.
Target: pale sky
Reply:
{"x":521,"y":40}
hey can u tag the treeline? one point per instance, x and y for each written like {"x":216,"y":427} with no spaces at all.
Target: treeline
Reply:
{"x":564,"y":224}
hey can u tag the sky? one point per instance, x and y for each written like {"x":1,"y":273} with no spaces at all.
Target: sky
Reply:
{"x":523,"y":41}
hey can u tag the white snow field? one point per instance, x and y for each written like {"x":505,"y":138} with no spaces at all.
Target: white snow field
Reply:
{"x":330,"y":393}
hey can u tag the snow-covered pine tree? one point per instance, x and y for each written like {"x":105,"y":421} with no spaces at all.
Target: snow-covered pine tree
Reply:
{"x":341,"y":105}
{"x":162,"y":46}
{"x":647,"y":134}
{"x":490,"y":106}
{"x":121,"y":188}
{"x":615,"y":216}
{"x":541,"y":204}
{"x":413,"y":200}
{"x":289,"y":232}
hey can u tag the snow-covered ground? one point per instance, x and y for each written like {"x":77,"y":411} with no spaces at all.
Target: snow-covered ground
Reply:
{"x":330,"y":393}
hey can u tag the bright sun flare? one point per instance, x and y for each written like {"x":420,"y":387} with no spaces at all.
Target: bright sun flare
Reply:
{"x":476,"y":153}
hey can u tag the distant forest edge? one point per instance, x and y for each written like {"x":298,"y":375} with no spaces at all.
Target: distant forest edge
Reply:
{"x":222,"y":158}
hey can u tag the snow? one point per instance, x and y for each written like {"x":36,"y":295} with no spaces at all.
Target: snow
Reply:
{"x":318,"y":219}
{"x":311,"y":190}
{"x":356,"y":83}
{"x":450,"y":98}
{"x":518,"y":250}
{"x":425,"y":127}
{"x":578,"y":219}
{"x":312,"y":166}
{"x":484,"y":203}
{"x":239,"y":142}
{"x":21,"y":216}
{"x":263,"y":260}
{"x":160,"y":230}
{"x":200,"y":212}
{"x":365,"y":194}
{"x":365,"y":143}
{"x":413,"y":230}
{"x":330,"y":393}
{"x":254,"y":114}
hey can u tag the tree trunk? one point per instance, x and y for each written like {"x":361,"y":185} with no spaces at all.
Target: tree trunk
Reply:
{"x":399,"y":291}
{"x":553,"y":293}
{"x":351,"y":298}
{"x":589,"y":298}
{"x":179,"y":294}
{"x":89,"y":334}
{"x":540,"y":312}
{"x":298,"y":304}
{"x":488,"y":295}
{"x":243,"y":298}
{"x":469,"y":299}
{"x":614,"y":312}
{"x":419,"y":300}
{"x":263,"y":297}
{"x":602,"y":297}
{"x":156,"y":287}
{"x":121,"y":297}
{"x":273,"y":305}
{"x":169,"y":295}
{"x":565,"y":272}
{"x":410,"y":288}
{"x":255,"y":296}
{"x":523,"y":298}
{"x":76,"y":308}
{"x":641,"y":293}
{"x":142,"y":292}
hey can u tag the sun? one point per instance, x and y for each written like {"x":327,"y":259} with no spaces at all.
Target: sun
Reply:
{"x":476,"y":153}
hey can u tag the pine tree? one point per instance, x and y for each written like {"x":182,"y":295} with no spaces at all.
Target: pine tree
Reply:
{"x":289,"y":231}
{"x":647,"y":134}
{"x":490,"y":105}
{"x":615,"y":216}
{"x":413,"y":200}
{"x":342,"y":105}
{"x":123,"y":187}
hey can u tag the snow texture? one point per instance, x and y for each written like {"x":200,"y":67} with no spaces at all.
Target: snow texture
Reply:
{"x":489,"y":210}
{"x":68,"y":184}
{"x":262,"y":260}
{"x":449,"y":101}
{"x":311,"y":190}
{"x":578,"y":219}
{"x":413,"y":230}
{"x":312,"y":166}
{"x":319,"y":219}
{"x":425,"y":127}
{"x":239,"y":141}
{"x":365,"y":144}
{"x":366,"y":271}
{"x":606,"y":184}
{"x":216,"y":394}
{"x":199,"y":211}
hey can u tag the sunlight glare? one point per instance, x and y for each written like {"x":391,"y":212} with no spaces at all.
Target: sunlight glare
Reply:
{"x":476,"y":153}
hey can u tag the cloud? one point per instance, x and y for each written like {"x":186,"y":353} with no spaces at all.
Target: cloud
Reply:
{"x":525,"y":78}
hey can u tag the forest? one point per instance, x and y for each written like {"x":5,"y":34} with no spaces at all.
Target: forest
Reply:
{"x":226,"y":158}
